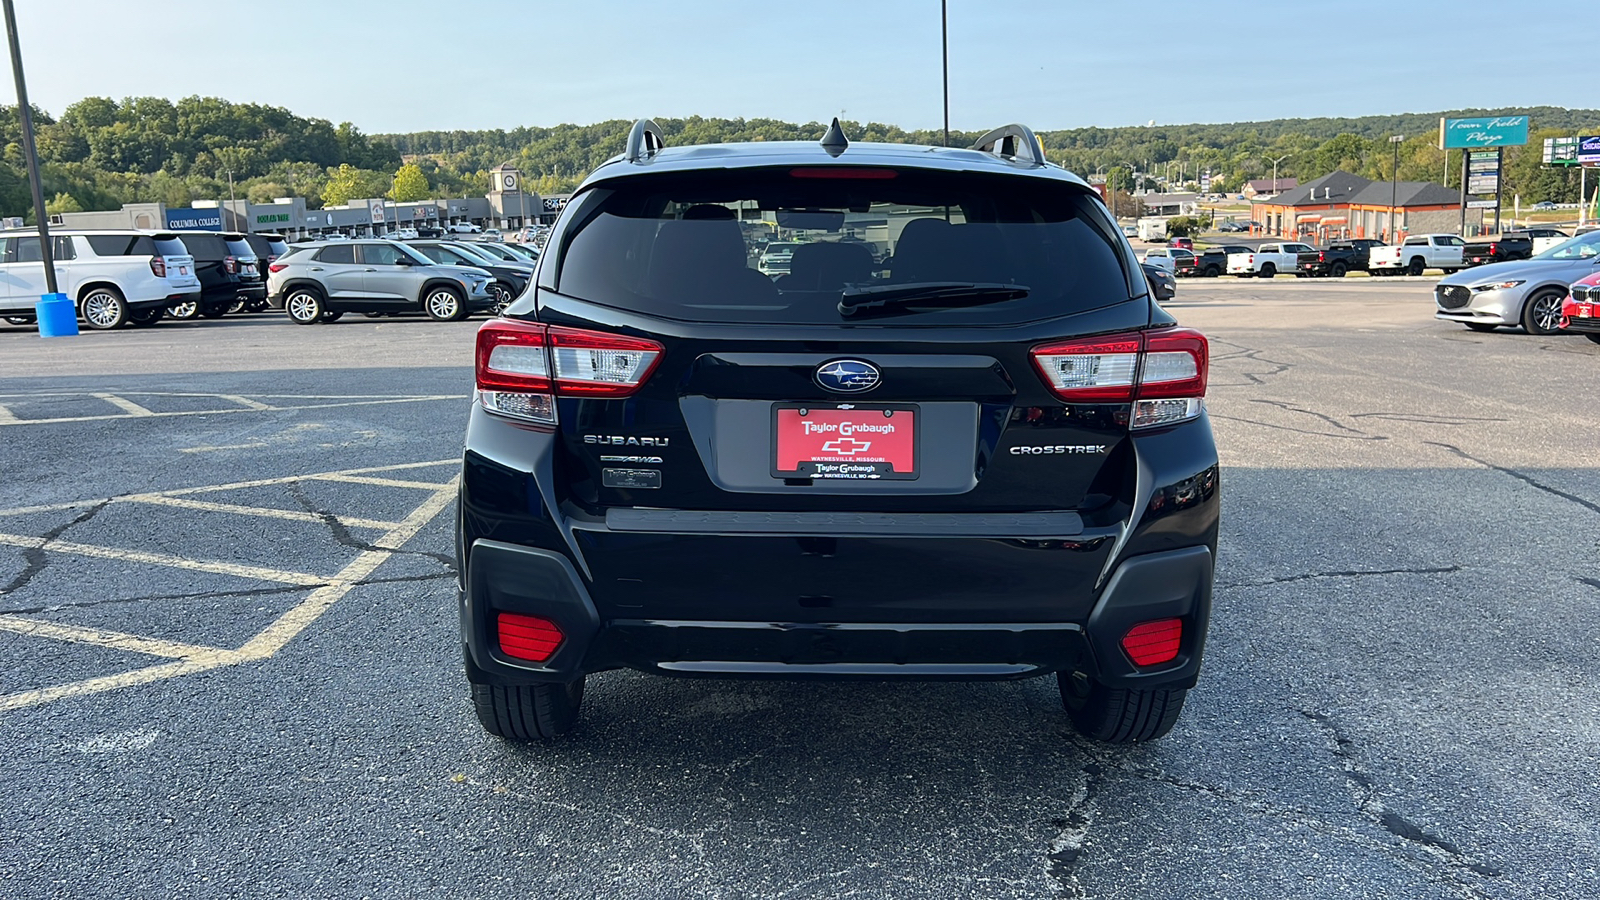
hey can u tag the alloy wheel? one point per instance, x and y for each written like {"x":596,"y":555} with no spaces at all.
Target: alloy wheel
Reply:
{"x":443,"y":304}
{"x":304,"y":307}
{"x":102,"y":309}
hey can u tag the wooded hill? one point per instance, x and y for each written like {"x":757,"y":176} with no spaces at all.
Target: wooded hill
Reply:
{"x":100,"y":153}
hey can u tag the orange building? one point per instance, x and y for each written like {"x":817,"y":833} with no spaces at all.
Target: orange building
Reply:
{"x":1342,"y":205}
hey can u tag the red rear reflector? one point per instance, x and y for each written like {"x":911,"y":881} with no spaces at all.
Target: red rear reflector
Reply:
{"x":1153,"y":643}
{"x":528,"y":637}
{"x":844,"y":172}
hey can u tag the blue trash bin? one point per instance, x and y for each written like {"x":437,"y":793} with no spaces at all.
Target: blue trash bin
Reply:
{"x":58,"y":317}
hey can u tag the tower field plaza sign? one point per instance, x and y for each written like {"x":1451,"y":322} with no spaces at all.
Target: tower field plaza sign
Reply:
{"x":1489,"y":131}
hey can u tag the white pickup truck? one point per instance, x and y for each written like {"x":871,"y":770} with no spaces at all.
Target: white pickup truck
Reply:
{"x":1418,"y":252}
{"x":1267,"y":260}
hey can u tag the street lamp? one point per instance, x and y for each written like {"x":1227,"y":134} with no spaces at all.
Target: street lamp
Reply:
{"x":1394,"y":182}
{"x":1275,"y":171}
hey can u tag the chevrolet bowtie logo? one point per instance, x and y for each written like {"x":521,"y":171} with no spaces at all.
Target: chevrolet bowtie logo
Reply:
{"x":846,"y":446}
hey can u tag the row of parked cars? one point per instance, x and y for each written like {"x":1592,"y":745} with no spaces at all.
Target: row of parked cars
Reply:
{"x":1415,"y":254}
{"x":138,"y":278}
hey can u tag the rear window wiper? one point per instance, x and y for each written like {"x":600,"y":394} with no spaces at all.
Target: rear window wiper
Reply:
{"x":857,"y":300}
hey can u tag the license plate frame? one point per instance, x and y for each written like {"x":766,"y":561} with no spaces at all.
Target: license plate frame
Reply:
{"x":860,"y":465}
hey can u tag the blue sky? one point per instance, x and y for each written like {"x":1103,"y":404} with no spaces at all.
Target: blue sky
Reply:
{"x":1046,"y":64}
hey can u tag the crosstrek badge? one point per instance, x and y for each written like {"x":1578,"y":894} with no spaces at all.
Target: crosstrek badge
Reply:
{"x":861,"y":443}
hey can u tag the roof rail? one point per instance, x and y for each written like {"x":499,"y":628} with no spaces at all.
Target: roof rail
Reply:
{"x":1012,"y":141}
{"x":644,"y":141}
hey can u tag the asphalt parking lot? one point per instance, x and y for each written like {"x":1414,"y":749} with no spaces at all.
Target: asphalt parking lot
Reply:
{"x":230,"y":665}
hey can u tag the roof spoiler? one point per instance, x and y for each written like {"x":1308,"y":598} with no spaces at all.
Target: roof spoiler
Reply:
{"x":644,"y":141}
{"x":1013,"y":142}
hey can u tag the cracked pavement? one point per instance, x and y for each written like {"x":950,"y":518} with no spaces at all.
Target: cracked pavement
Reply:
{"x":1398,"y":696}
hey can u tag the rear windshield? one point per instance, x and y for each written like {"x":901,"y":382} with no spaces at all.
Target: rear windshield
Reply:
{"x":205,"y":247}
{"x":241,"y":248}
{"x":688,"y":246}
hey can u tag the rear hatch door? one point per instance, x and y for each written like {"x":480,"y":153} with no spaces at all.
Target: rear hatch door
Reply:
{"x":923,"y":411}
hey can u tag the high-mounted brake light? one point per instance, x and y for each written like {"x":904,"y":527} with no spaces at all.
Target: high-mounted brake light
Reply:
{"x":1153,"y":643}
{"x":523,"y":366}
{"x":158,"y":267}
{"x":1163,"y":372}
{"x":844,"y":172}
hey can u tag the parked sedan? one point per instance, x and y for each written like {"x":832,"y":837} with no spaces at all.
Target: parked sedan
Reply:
{"x":1580,"y":313}
{"x":1526,"y":292}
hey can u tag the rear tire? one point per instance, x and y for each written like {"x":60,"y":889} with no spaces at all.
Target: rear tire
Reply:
{"x":103,"y":309}
{"x":528,"y":712}
{"x":1416,"y":266}
{"x":1269,"y":271}
{"x":144,"y":318}
{"x":1541,"y":315}
{"x":215,"y":312}
{"x":333,"y":315}
{"x":304,"y":306}
{"x":1338,"y":270}
{"x":1593,"y":337}
{"x":1118,"y":715}
{"x":1481,"y":327}
{"x":1213,"y":272}
{"x":21,"y":320}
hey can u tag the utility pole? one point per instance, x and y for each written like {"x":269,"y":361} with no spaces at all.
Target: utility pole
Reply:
{"x":1394,"y":183}
{"x":944,"y":43}
{"x":233,"y":212}
{"x":25,"y":113}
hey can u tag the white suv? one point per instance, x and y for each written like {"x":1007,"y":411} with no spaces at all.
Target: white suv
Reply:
{"x":114,"y":277}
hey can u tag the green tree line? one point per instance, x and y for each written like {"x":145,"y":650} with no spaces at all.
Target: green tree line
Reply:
{"x":100,"y":153}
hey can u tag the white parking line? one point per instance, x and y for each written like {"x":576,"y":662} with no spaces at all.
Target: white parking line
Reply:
{"x":244,"y":401}
{"x":214,"y":567}
{"x":116,"y":640}
{"x":291,"y":515}
{"x":380,"y":482}
{"x":126,"y":405}
{"x":264,"y":645}
{"x":6,"y":415}
{"x":148,"y":414}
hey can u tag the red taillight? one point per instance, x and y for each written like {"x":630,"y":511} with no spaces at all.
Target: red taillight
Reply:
{"x":229,"y":264}
{"x":1493,"y":246}
{"x":158,"y":267}
{"x":1153,"y":643}
{"x":1252,"y":259}
{"x":523,"y":366}
{"x":1322,"y":257}
{"x":1163,"y":372}
{"x":277,"y":267}
{"x":844,"y":173}
{"x":528,"y":637}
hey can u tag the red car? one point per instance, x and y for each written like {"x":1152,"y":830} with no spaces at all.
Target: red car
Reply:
{"x":1185,"y":243}
{"x":1580,"y":312}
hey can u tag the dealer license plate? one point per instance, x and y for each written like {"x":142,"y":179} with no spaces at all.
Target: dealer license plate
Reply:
{"x":845,"y":441}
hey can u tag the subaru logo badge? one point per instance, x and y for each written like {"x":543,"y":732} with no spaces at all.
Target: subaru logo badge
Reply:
{"x":848,"y":376}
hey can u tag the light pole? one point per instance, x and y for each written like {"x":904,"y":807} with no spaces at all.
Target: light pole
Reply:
{"x":48,"y":323}
{"x":944,"y":45}
{"x":233,"y":211}
{"x":1275,"y":171}
{"x":1394,"y":182}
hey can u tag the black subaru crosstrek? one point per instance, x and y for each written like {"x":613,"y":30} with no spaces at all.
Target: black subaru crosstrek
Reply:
{"x":956,"y":440}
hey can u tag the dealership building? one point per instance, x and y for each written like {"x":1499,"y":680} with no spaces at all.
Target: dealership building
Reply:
{"x":506,"y":207}
{"x":1342,"y":205}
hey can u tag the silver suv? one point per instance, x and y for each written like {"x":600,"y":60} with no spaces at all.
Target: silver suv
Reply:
{"x":321,"y":282}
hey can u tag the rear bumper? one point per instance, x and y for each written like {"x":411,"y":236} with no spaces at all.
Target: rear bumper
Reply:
{"x":507,"y":578}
